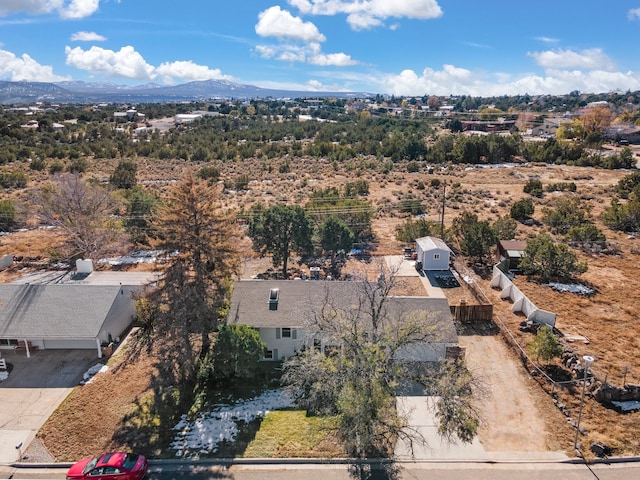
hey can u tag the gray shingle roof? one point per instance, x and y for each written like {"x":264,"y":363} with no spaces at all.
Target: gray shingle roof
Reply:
{"x":300,"y":299}
{"x":54,"y":311}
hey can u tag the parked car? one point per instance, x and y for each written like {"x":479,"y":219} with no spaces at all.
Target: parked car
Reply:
{"x":110,"y":465}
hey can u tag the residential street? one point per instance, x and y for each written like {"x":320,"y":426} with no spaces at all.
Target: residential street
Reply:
{"x":442,"y":471}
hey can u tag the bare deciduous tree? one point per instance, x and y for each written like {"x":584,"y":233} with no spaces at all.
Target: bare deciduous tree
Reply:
{"x":84,"y":212}
{"x":371,"y":343}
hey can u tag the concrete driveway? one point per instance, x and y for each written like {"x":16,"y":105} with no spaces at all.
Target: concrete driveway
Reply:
{"x":422,"y":418}
{"x":407,"y":268}
{"x":34,"y":389}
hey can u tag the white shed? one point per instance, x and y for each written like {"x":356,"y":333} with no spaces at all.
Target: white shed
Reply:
{"x":433,"y":253}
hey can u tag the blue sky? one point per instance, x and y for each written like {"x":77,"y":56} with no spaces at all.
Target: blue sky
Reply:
{"x":400,"y":47}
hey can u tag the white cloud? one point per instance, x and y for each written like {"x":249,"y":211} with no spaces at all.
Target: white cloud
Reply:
{"x":366,"y":14}
{"x":634,"y":14}
{"x":286,"y":53}
{"x":33,"y":7}
{"x":266,"y":51}
{"x":335,"y":59}
{"x":125,"y":63}
{"x":275,"y":22}
{"x":189,"y":71}
{"x":68,"y":9}
{"x":26,"y":68}
{"x":87,"y":37}
{"x":300,"y":40}
{"x":589,"y":59}
{"x":310,"y":53}
{"x":453,"y":80}
{"x":128,"y":63}
{"x":79,"y":8}
{"x":547,"y":39}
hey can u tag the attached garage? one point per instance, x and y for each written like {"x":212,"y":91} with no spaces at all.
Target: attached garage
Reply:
{"x":64,"y":316}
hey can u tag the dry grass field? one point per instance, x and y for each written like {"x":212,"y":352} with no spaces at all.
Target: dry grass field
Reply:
{"x":608,"y":320}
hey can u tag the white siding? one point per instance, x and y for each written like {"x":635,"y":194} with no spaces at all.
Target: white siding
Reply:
{"x":287,"y":346}
{"x":119,"y":317}
{"x":433,"y":253}
{"x":435,"y":259}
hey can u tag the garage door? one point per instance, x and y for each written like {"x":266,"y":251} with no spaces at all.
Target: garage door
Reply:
{"x":70,"y":344}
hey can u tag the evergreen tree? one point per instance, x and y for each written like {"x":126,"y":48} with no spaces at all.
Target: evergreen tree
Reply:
{"x":280,"y":231}
{"x":546,"y":346}
{"x":200,"y":252}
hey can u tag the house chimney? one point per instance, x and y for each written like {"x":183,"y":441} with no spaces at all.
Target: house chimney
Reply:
{"x":84,"y":266}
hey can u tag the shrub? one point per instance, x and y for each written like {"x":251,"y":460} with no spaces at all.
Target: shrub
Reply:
{"x":209,"y":173}
{"x":546,"y":346}
{"x":522,"y":209}
{"x":7,"y":214}
{"x":533,"y":187}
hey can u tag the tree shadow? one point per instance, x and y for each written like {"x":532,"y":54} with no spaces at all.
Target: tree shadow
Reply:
{"x":374,"y":470}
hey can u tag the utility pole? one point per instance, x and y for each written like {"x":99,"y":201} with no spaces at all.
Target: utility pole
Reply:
{"x":444,"y":197}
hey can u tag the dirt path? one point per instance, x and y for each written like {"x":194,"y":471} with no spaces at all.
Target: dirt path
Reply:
{"x":510,"y":419}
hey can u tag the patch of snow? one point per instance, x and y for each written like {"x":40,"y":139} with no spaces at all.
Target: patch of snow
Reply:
{"x":203,"y":435}
{"x":571,"y":288}
{"x":3,"y":376}
{"x":139,"y":256}
{"x":88,"y":376}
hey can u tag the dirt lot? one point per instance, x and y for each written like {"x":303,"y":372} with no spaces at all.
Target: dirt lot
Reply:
{"x":608,"y":319}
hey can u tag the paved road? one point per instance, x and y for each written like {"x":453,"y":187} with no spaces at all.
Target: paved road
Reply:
{"x":429,"y":471}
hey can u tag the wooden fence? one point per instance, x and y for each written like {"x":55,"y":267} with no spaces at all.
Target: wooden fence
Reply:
{"x":472,"y":313}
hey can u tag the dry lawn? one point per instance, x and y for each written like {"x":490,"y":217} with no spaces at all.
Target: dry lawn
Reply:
{"x":608,"y":319}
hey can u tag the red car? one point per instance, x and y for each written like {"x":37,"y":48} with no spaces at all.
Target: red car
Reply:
{"x":111,"y":466}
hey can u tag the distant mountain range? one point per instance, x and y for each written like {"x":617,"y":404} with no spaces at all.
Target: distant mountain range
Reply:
{"x":12,"y":93}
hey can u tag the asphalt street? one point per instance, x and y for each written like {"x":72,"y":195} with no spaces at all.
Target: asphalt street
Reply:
{"x":407,"y":471}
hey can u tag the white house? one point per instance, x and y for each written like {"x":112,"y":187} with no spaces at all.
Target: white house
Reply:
{"x":433,"y":253}
{"x":280,"y":309}
{"x":64,"y":316}
{"x":83,"y":309}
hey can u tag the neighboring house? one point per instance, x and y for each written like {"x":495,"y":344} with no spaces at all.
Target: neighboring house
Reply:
{"x":280,"y":309}
{"x":624,"y":134}
{"x":182,"y":118}
{"x":64,"y":316}
{"x":433,"y":253}
{"x":512,"y":251}
{"x":549,"y":127}
{"x":81,"y":309}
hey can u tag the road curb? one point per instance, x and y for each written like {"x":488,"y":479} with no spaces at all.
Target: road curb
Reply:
{"x":336,"y":461}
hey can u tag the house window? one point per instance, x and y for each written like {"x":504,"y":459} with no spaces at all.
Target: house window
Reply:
{"x":271,"y":354}
{"x":317,"y":344}
{"x":286,"y":332}
{"x":436,"y":256}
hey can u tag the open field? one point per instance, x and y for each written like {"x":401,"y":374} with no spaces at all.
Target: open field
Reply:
{"x":608,"y":319}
